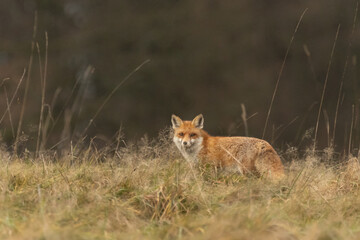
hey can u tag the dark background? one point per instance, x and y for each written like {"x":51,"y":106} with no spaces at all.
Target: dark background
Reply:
{"x":205,"y":57}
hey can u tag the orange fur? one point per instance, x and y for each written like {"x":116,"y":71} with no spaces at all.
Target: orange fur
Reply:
{"x":244,"y":154}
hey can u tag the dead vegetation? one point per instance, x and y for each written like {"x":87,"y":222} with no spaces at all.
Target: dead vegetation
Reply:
{"x":147,"y":191}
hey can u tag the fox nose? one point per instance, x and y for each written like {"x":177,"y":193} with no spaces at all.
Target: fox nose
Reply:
{"x":185,"y":143}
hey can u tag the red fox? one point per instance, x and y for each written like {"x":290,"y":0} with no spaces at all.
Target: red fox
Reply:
{"x":244,"y":154}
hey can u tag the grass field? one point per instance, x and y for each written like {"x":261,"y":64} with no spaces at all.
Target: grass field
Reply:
{"x":148,"y":191}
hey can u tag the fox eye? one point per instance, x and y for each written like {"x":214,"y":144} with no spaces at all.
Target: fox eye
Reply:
{"x":181,"y":134}
{"x":193,"y":135}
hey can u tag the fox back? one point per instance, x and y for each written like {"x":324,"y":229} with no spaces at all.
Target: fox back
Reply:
{"x":243,"y":154}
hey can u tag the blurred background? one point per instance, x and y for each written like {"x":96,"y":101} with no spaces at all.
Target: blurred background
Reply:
{"x":206,"y":57}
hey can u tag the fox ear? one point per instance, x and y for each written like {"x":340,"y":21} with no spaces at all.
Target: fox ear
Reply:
{"x":198,"y":121}
{"x":176,"y":121}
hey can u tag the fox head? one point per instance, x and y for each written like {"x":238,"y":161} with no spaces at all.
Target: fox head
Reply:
{"x":188,"y":135}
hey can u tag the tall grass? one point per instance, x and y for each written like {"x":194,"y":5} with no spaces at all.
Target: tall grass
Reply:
{"x":281,"y":71}
{"x":147,"y":191}
{"x":27,"y":85}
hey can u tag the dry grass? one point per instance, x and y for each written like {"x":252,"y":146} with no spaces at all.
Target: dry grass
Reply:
{"x":147,"y":191}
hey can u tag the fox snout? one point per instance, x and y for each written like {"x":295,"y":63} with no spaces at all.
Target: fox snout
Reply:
{"x":185,"y":142}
